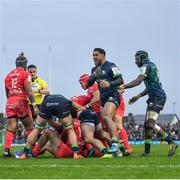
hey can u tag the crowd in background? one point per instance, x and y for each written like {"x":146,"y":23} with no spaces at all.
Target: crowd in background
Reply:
{"x":135,"y":132}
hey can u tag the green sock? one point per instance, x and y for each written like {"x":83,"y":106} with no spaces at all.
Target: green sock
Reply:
{"x":147,"y":143}
{"x":104,"y":150}
{"x":121,"y":148}
{"x":75,"y":148}
{"x":114,"y":140}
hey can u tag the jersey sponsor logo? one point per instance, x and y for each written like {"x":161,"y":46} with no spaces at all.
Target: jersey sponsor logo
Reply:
{"x":52,"y":104}
{"x":143,"y":70}
{"x":15,"y":91}
{"x":116,"y":71}
{"x":35,"y":86}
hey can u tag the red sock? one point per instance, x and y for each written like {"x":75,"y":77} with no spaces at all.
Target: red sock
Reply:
{"x":36,"y":150}
{"x":123,"y":135}
{"x":28,"y":132}
{"x":8,"y":139}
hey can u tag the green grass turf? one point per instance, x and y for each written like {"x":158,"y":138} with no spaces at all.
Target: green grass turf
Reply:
{"x":47,"y":167}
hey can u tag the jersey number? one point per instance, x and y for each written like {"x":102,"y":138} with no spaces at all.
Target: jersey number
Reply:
{"x":14,"y":83}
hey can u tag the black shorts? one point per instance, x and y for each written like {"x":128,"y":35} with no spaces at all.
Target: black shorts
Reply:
{"x":113,"y":97}
{"x":156,"y":103}
{"x":54,"y":106}
{"x":89,"y":116}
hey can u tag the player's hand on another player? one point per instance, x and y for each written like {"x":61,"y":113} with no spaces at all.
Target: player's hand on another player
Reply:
{"x":104,"y":84}
{"x":133,"y":99}
{"x":81,"y":108}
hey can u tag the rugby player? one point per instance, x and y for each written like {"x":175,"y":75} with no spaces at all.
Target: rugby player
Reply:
{"x":108,"y":77}
{"x":149,"y":74}
{"x":18,"y":91}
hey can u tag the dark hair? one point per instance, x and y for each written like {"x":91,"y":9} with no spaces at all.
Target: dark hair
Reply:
{"x":21,"y":61}
{"x":101,"y":51}
{"x":32,"y":66}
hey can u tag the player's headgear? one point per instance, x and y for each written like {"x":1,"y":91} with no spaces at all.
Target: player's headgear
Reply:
{"x":84,"y":78}
{"x":21,"y":61}
{"x":141,"y":56}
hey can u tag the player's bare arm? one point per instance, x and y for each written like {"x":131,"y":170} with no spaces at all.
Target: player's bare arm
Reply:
{"x":95,"y":99}
{"x":135,"y":82}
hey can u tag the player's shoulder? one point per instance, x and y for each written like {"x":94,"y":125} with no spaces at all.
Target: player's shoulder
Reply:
{"x":93,"y":69}
{"x":110,"y":63}
{"x":40,"y":80}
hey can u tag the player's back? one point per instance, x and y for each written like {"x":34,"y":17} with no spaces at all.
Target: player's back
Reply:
{"x":14,"y":82}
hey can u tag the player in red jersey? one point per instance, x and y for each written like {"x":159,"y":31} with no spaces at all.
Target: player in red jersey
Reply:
{"x":93,"y":95}
{"x":58,"y":145}
{"x":18,"y":91}
{"x":118,"y":119}
{"x":91,"y":127}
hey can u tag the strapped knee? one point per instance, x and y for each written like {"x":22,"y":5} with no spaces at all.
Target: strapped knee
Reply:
{"x":149,"y":125}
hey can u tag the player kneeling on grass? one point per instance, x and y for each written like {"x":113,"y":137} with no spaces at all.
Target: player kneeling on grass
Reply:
{"x":52,"y":142}
{"x":52,"y":106}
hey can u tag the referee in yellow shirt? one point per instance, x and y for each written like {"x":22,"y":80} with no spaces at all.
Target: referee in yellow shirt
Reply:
{"x":39,"y":85}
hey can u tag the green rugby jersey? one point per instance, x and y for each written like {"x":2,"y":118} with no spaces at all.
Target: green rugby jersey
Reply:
{"x":152,"y":81}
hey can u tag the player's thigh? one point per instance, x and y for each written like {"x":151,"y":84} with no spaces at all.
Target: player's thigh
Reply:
{"x":54,"y":139}
{"x":27,"y":122}
{"x":87,"y":130}
{"x":109,"y":109}
{"x":12,"y":123}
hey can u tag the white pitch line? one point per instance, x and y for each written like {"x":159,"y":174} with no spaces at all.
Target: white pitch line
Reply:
{"x":85,"y":166}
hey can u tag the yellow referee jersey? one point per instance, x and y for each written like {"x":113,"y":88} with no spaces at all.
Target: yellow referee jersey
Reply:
{"x":38,"y":84}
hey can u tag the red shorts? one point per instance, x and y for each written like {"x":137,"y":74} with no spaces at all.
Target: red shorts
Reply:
{"x":17,"y":106}
{"x":64,"y":151}
{"x":121,"y":109}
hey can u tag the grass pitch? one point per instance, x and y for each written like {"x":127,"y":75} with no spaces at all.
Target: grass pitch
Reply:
{"x":158,"y":166}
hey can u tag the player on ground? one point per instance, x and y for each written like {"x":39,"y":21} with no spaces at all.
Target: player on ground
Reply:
{"x":56,"y":144}
{"x":91,"y":127}
{"x":52,"y":107}
{"x":156,"y":100}
{"x":18,"y":91}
